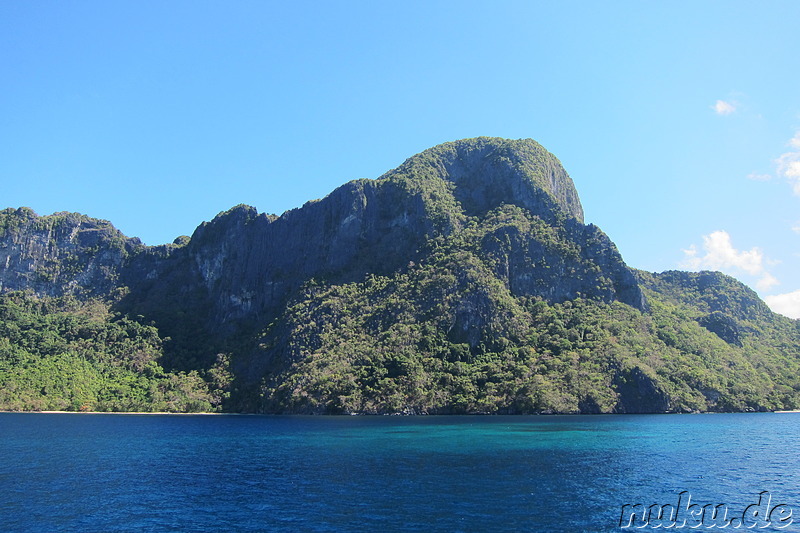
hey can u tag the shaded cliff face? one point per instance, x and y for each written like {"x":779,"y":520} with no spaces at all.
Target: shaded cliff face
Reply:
{"x":250,"y":264}
{"x":240,"y":270}
{"x":61,"y":253}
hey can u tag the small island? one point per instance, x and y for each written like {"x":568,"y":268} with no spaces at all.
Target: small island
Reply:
{"x":465,"y":281}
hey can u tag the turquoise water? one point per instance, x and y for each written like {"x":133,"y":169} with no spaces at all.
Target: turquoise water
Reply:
{"x":115,"y":473}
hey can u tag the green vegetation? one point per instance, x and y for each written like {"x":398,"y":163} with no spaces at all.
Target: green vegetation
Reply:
{"x":64,"y":354}
{"x":401,"y":345}
{"x":447,"y":335}
{"x":464,"y":281}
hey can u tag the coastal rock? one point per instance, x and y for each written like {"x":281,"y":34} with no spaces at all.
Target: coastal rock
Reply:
{"x":463,"y":281}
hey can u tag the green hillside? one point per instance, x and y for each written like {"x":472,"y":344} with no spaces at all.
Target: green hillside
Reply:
{"x":463,"y":281}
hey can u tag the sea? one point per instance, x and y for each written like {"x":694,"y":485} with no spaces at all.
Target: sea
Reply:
{"x":227,"y":473}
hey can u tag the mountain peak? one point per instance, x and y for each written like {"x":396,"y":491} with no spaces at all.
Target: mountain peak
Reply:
{"x":487,"y":172}
{"x":463,"y":281}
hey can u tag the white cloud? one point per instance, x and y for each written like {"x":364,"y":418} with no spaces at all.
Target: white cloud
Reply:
{"x":789,"y":164}
{"x":796,"y":227}
{"x":758,"y":177}
{"x":766,"y":282}
{"x":786,"y":304}
{"x":724,"y":108}
{"x":720,"y":254}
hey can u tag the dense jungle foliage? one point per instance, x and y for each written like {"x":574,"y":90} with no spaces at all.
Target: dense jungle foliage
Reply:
{"x":388,"y":345}
{"x":463,"y":281}
{"x":71,"y":355}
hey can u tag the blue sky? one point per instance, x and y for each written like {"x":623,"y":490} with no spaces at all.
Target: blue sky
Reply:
{"x":678,"y":121}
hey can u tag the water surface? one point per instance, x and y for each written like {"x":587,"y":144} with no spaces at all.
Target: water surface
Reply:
{"x":115,"y":473}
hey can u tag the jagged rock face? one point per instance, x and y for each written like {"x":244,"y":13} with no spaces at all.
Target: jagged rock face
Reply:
{"x":61,"y":253}
{"x":243,"y":267}
{"x":639,"y":393}
{"x":723,"y":326}
{"x":251,"y":263}
{"x":559,"y":264}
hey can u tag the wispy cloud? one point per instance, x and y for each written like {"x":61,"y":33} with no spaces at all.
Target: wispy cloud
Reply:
{"x":723,"y":107}
{"x":789,"y":164}
{"x":786,"y":304}
{"x":766,"y":282}
{"x":719,"y":254}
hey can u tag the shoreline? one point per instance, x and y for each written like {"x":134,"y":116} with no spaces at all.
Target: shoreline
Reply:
{"x":119,"y":413}
{"x":171,"y":413}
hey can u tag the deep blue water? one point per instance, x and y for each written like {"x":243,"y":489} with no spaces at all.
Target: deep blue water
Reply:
{"x":123,"y":473}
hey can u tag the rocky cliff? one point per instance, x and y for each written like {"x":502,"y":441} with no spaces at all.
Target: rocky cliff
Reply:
{"x":465,"y":280}
{"x":249,"y":264}
{"x":61,"y":253}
